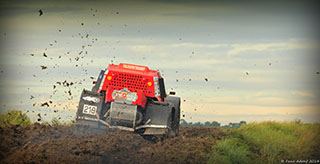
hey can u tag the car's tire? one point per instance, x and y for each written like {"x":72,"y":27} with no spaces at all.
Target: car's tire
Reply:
{"x":175,"y":122}
{"x":172,"y":128}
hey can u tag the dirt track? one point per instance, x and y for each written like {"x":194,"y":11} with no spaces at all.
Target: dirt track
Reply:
{"x":45,"y":144}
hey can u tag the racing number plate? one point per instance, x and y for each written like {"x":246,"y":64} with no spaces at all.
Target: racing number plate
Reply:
{"x":89,"y":109}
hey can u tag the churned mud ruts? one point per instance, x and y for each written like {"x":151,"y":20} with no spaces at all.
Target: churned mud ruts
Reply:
{"x":59,"y":144}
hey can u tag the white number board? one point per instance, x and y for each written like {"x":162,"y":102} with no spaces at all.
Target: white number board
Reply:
{"x":89,"y":109}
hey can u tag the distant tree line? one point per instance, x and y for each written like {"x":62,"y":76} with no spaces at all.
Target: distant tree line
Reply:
{"x":211,"y":124}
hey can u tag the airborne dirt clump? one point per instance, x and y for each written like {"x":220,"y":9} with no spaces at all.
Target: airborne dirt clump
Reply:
{"x":39,"y":143}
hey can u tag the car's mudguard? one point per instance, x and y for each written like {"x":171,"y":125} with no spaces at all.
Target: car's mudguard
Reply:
{"x":99,"y":81}
{"x":157,"y":118}
{"x":90,"y":107}
{"x":174,"y":131}
{"x":158,"y":113}
{"x":121,"y":113}
{"x":176,"y":103}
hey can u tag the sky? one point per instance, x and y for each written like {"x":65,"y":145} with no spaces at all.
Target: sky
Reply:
{"x":260,"y":59}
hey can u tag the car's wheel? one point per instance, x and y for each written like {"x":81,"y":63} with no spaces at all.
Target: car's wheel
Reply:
{"x":173,"y":131}
{"x":175,"y":116}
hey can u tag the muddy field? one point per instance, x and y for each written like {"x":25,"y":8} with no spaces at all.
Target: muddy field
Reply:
{"x":57,"y":144}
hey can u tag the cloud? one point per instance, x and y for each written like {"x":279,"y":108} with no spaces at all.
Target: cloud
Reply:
{"x":289,"y":45}
{"x":198,"y":45}
{"x":257,"y":80}
{"x":237,"y":105}
{"x":302,"y":93}
{"x":10,"y":10}
{"x":142,"y":48}
{"x":233,"y":49}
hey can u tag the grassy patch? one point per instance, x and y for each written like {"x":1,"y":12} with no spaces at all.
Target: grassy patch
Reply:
{"x":268,"y":142}
{"x":14,"y":117}
{"x":230,"y":150}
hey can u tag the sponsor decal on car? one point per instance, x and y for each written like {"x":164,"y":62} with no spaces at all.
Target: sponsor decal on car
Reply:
{"x":124,"y":95}
{"x":90,"y":98}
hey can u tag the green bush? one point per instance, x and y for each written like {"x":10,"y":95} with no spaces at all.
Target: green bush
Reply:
{"x":268,"y":142}
{"x":14,"y":117}
{"x":276,"y":141}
